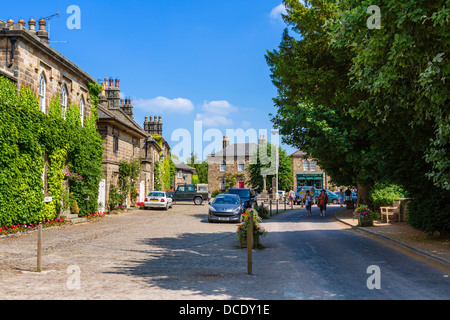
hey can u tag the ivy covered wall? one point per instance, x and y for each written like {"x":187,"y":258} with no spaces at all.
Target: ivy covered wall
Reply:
{"x":28,"y":138}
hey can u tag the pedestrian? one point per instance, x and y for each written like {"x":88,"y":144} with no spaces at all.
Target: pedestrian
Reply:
{"x":308,"y":199}
{"x":291,"y":198}
{"x":341,"y":197}
{"x":323,"y":200}
{"x":301,"y":196}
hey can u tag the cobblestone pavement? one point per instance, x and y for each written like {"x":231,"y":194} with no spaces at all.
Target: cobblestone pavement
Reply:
{"x":168,"y":255}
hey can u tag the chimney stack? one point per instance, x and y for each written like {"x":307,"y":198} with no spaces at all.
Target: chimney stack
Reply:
{"x":42,"y":33}
{"x":226,"y":142}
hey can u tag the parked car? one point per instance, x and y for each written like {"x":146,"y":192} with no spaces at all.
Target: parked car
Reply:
{"x":226,"y":207}
{"x":332,"y":197}
{"x":158,"y":199}
{"x":191,"y":192}
{"x":299,"y":193}
{"x":248,"y":196}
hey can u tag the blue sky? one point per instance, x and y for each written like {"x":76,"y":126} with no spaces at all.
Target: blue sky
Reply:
{"x":184,"y":60}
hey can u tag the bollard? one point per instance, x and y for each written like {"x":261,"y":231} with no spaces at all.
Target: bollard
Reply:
{"x":277,"y":205}
{"x":284,"y":204}
{"x":39,"y":249}
{"x":270,"y":206}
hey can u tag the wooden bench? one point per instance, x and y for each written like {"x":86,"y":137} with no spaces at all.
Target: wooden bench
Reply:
{"x":391,"y":211}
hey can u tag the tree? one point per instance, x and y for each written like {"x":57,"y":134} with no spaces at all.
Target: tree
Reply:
{"x":200,"y":168}
{"x":314,"y":98}
{"x":285,"y":175}
{"x":404,"y":67}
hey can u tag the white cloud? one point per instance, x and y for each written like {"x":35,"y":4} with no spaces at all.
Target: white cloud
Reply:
{"x":214,"y":120}
{"x":276,"y":12}
{"x":215,"y":113}
{"x":161,"y":104}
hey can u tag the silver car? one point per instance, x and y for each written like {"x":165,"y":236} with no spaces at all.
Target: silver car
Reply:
{"x":226,"y":207}
{"x":158,"y":199}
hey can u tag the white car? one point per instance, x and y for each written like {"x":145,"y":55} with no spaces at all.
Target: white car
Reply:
{"x":158,"y":199}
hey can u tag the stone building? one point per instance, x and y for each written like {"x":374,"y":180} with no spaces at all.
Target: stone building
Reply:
{"x":124,"y":139}
{"x":184,"y":173}
{"x":28,"y":59}
{"x":233,"y":159}
{"x":307,"y":172}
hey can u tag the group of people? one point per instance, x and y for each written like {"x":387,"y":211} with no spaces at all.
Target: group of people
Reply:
{"x":308,"y":200}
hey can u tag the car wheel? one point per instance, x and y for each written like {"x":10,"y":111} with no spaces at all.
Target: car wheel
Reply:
{"x":198,"y":201}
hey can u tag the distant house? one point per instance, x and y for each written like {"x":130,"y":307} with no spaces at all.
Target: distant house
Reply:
{"x":184,"y":173}
{"x":307,"y":172}
{"x":233,"y":159}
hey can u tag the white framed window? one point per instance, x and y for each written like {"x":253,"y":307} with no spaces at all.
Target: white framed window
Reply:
{"x":241,"y":167}
{"x":42,"y":90}
{"x":180,"y":174}
{"x":64,"y":102}
{"x":313,"y":165}
{"x":305,"y":165}
{"x":223,"y":166}
{"x":222,"y":183}
{"x":82,"y":112}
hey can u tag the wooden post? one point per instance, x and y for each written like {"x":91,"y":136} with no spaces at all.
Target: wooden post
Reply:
{"x":250,"y":244}
{"x":39,"y":249}
{"x":284,"y":204}
{"x":270,"y":205}
{"x":277,"y":205}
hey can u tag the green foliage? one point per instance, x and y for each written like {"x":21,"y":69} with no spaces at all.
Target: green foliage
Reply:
{"x":264,"y":155}
{"x":201,"y":167}
{"x":27,"y":136}
{"x":129,"y":172}
{"x":21,"y":156}
{"x":383,"y":194}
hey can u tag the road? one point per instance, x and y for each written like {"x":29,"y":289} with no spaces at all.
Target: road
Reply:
{"x":159,"y":255}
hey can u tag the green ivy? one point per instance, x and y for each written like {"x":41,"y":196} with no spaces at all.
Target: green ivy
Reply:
{"x":27,"y":136}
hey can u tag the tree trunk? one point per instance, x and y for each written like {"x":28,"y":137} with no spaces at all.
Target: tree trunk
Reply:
{"x":363,"y":195}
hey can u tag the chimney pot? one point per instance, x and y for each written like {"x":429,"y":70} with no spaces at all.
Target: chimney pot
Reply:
{"x":10,"y":22}
{"x":41,"y":33}
{"x":151,"y":118}
{"x":32,"y":25}
{"x":111,"y":82}
{"x":42,"y":24}
{"x":146,"y":118}
{"x":22,"y":22}
{"x":117,"y":83}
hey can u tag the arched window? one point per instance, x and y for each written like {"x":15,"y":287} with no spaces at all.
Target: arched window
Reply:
{"x":305,"y":165}
{"x":42,"y":90}
{"x":82,"y":111}
{"x":64,"y":102}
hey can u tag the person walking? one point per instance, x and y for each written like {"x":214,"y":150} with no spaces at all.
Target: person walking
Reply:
{"x":308,"y":199}
{"x":341,"y":197}
{"x":291,"y":198}
{"x":323,"y":200}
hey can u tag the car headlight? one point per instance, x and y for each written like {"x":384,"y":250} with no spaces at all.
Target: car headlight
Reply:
{"x":212,"y":209}
{"x":237,"y":210}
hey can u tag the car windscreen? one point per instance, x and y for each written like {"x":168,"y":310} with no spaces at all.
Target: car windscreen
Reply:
{"x":240,"y":193}
{"x":226,"y":200}
{"x":156,"y":194}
